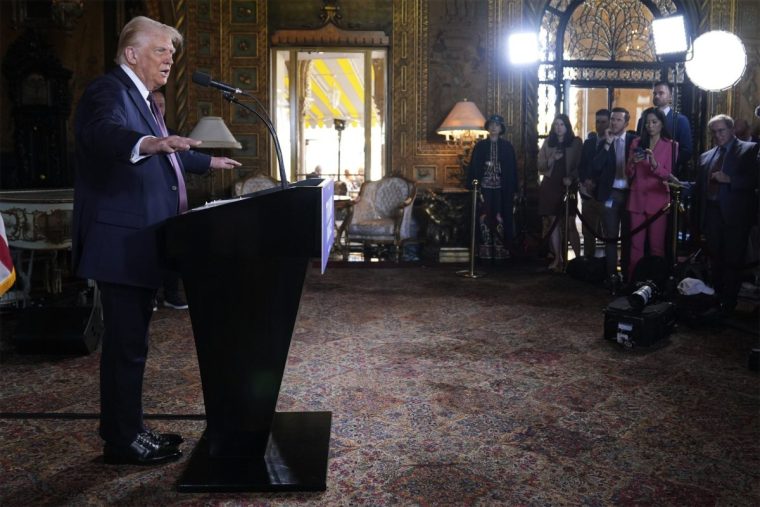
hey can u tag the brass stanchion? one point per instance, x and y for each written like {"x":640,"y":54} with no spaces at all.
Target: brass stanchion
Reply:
{"x":676,"y":207}
{"x":471,"y":273}
{"x":566,"y":239}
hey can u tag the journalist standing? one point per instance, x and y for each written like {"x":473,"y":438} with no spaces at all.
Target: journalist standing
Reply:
{"x":612,"y":188}
{"x":592,"y":208}
{"x":726,"y":188}
{"x":494,"y":165}
{"x":129,"y":179}
{"x":558,"y":161}
{"x":648,"y":169}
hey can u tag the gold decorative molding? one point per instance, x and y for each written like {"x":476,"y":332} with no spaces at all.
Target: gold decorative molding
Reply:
{"x":180,"y":66}
{"x":746,"y":94}
{"x":419,"y":57}
{"x":329,"y":35}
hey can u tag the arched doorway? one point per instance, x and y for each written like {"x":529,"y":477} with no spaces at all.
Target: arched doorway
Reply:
{"x":599,"y":54}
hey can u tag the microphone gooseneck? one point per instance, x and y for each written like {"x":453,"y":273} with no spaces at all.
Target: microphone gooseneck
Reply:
{"x":229,"y":93}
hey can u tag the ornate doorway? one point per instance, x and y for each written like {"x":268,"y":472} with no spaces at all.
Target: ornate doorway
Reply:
{"x":599,"y":54}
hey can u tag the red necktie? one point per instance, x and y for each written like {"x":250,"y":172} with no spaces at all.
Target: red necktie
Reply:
{"x":172,"y":156}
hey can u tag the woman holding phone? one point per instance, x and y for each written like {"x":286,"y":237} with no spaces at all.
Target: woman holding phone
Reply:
{"x":648,"y":169}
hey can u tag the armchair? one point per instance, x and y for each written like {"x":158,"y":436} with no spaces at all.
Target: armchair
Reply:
{"x":381,"y":213}
{"x":253,"y":183}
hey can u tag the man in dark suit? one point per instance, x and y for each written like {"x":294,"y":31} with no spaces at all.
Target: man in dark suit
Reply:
{"x":726,"y":189}
{"x":608,"y":173}
{"x":591,"y":208}
{"x":677,"y":125}
{"x":129,"y":179}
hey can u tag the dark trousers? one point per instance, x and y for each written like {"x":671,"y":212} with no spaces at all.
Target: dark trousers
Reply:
{"x":616,"y":222}
{"x":592,"y":212}
{"x":171,"y":285}
{"x":726,"y":245}
{"x":126,"y":316}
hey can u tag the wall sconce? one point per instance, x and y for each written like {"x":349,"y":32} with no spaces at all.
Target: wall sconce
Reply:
{"x":464,"y":125}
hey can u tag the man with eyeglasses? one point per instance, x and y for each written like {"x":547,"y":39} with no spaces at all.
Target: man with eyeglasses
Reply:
{"x":726,"y":190}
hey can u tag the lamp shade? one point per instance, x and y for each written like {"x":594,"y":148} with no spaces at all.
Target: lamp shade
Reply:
{"x":465,"y":116}
{"x":214,"y":133}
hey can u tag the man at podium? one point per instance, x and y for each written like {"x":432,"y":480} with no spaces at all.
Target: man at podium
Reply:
{"x":129,"y":180}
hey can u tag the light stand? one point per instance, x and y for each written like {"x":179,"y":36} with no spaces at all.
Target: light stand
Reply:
{"x":671,"y":46}
{"x":340,"y":126}
{"x":566,"y":241}
{"x":523,"y":49}
{"x":676,"y":208}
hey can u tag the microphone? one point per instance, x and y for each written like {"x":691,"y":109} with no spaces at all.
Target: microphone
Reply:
{"x":202,"y":79}
{"x":205,"y":80}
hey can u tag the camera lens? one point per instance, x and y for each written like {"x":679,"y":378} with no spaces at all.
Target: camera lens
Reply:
{"x":641,"y":297}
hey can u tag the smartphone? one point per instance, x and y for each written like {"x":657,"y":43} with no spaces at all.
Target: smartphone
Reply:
{"x":640,"y":152}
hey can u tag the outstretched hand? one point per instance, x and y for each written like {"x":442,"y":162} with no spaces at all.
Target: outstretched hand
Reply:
{"x":224,"y":163}
{"x":171,"y":144}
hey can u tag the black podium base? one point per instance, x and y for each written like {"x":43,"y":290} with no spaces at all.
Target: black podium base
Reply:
{"x":295,"y":460}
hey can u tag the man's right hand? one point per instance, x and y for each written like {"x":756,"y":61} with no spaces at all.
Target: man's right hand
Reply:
{"x":171,"y":144}
{"x":609,"y":137}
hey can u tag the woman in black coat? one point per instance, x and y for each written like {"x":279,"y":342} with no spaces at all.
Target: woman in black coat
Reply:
{"x":494,"y":165}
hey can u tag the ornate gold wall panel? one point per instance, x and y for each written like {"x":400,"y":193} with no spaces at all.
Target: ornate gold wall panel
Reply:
{"x":444,"y":52}
{"x":742,"y":18}
{"x":226,"y":39}
{"x":746,"y":95}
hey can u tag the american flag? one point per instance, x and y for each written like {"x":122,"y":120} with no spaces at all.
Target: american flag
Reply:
{"x":7,"y":271}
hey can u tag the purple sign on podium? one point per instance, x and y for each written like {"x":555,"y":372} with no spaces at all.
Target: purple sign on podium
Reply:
{"x":328,"y":221}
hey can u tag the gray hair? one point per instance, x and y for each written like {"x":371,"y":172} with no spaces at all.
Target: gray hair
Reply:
{"x":138,"y":27}
{"x":721,"y":117}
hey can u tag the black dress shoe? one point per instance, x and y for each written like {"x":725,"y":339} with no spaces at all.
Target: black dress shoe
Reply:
{"x":164,"y":439}
{"x":142,"y":451}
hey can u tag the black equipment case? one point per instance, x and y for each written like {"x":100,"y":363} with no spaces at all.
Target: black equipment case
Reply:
{"x":633,"y":328}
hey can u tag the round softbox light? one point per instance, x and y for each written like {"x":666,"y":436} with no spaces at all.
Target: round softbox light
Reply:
{"x":718,"y":62}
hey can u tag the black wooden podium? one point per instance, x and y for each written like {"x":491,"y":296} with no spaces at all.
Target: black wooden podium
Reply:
{"x":243,"y":264}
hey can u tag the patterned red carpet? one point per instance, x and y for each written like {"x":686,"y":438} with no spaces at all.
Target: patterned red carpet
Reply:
{"x":444,"y":391}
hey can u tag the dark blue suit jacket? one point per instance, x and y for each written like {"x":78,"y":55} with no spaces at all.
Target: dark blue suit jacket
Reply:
{"x":117,"y":204}
{"x":603,"y":168}
{"x":587,"y":155}
{"x":738,"y":199}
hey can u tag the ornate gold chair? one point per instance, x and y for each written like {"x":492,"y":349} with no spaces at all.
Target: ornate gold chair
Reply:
{"x":254,"y":183}
{"x":381,"y":214}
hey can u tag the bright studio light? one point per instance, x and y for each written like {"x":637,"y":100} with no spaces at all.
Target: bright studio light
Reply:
{"x":670,"y":36}
{"x":719,"y":61}
{"x":523,"y":48}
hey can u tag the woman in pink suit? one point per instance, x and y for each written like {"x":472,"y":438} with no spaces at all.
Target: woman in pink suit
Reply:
{"x":649,"y":166}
